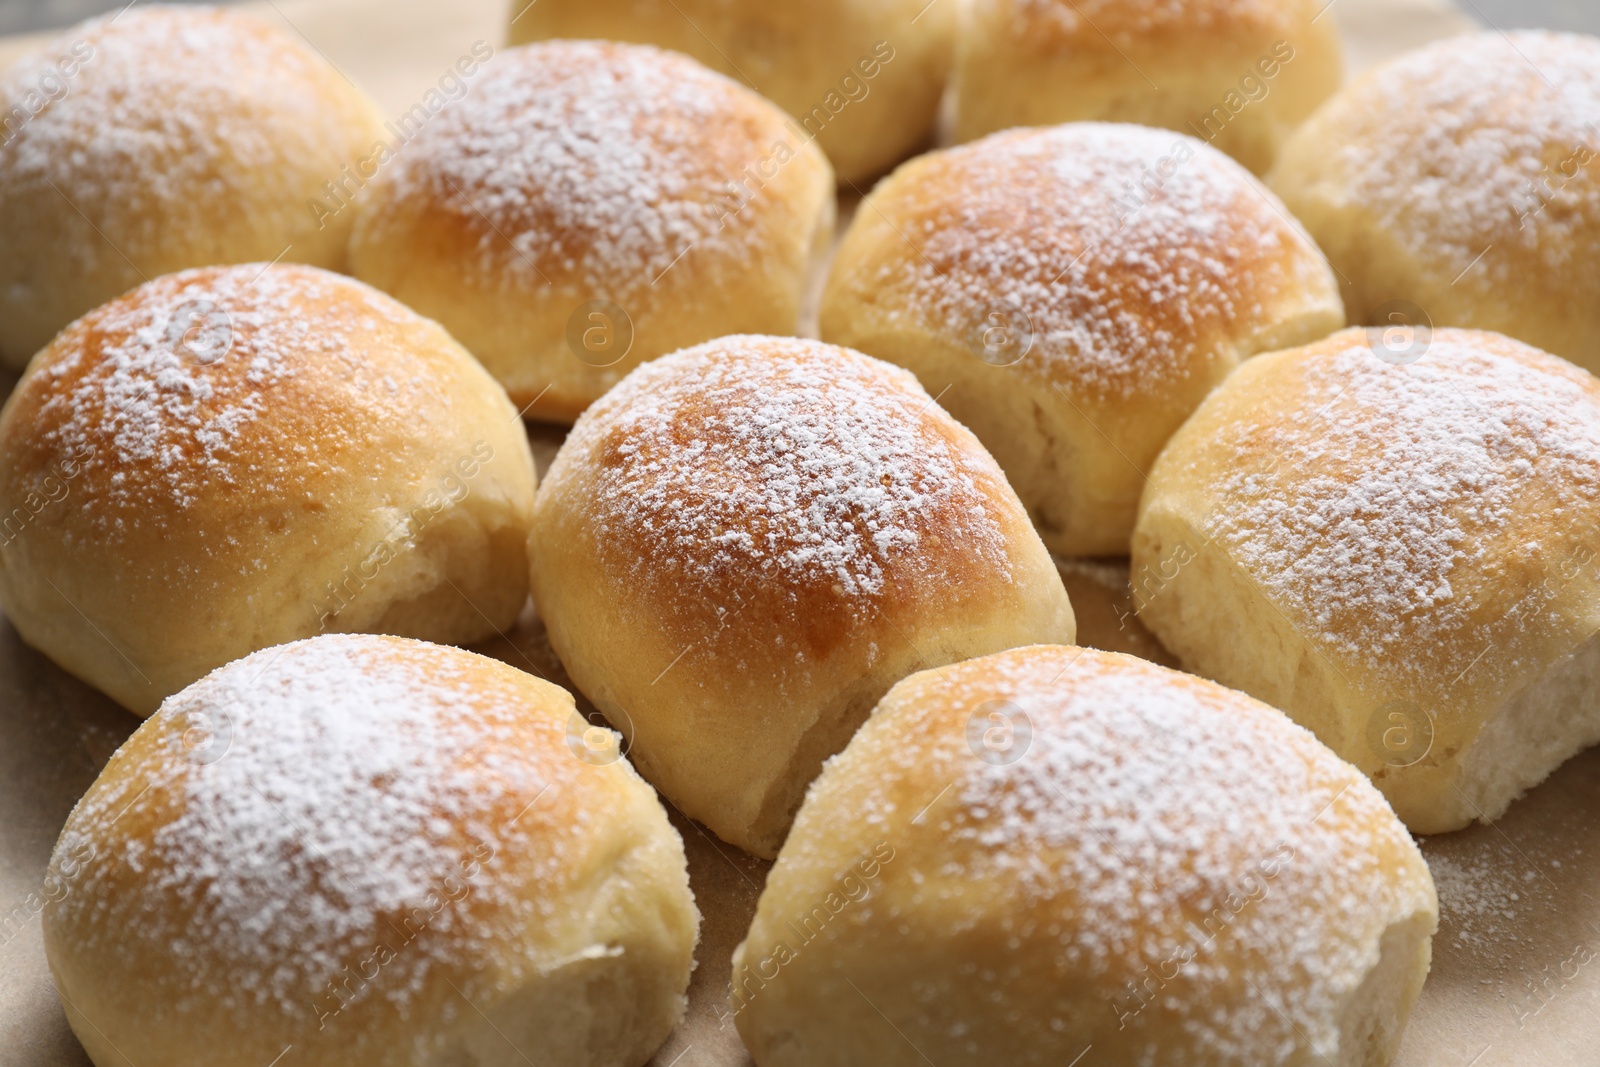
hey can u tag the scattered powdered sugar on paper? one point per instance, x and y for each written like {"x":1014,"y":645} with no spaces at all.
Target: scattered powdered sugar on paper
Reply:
{"x":1372,"y":512}
{"x":1489,"y":902}
{"x":592,"y":159}
{"x":1126,"y":249}
{"x":789,"y":460}
{"x":352,"y":779}
{"x":1156,"y":820}
{"x":1452,"y":135}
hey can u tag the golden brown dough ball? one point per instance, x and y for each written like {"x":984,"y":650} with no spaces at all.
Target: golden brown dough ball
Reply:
{"x":162,"y":138}
{"x":235,"y":457}
{"x":1071,"y":294}
{"x":745,"y":544}
{"x":590,"y":206}
{"x":1456,"y":185}
{"x":1052,"y":851}
{"x":1238,"y":74}
{"x":369,"y":850}
{"x":1391,"y":536}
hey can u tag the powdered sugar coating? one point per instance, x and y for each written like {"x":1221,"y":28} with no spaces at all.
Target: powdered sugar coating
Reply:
{"x":1376,"y":515}
{"x":1178,"y":873}
{"x":594,"y":161}
{"x":178,"y":137}
{"x":161,"y":389}
{"x":158,"y":405}
{"x":340,"y":785}
{"x":1134,"y":255}
{"x":199,"y":110}
{"x":1455,"y":145}
{"x":787,"y":464}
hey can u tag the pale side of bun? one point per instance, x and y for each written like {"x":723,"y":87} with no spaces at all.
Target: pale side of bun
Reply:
{"x":864,"y":78}
{"x":591,"y":206}
{"x":744,"y":545}
{"x":1238,"y":74}
{"x":370,"y":850}
{"x":178,"y":137}
{"x":1049,"y":850}
{"x":1455,"y":186}
{"x":1400,"y":547}
{"x":1071,"y":294}
{"x":235,"y":457}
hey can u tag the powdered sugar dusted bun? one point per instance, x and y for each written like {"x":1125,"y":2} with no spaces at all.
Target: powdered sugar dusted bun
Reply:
{"x":1239,"y":74}
{"x":229,"y":458}
{"x":1049,"y":850}
{"x":1071,"y":294}
{"x":591,"y":206}
{"x":864,"y":78}
{"x":1398,"y":548}
{"x":370,"y":850}
{"x":1455,"y":186}
{"x":745,"y":544}
{"x":161,"y":138}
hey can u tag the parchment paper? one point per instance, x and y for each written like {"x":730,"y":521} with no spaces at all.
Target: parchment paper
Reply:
{"x":1516,"y":975}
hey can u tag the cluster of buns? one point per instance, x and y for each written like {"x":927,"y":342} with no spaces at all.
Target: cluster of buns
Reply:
{"x":810,"y":583}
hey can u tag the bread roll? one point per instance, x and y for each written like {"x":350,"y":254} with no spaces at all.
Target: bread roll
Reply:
{"x":1456,"y":186}
{"x":234,"y":457}
{"x":1238,"y":74}
{"x":745,"y":544}
{"x":863,"y":78}
{"x":162,"y":138}
{"x":1023,"y":857}
{"x":591,"y":206}
{"x":1071,"y":294}
{"x":369,"y":850}
{"x":1393,"y":538}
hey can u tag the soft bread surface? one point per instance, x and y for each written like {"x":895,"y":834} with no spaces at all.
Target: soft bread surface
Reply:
{"x":1455,"y":186}
{"x":864,"y":78}
{"x":1239,"y":74}
{"x":1051,"y":849}
{"x":230,"y":458}
{"x":375,"y":851}
{"x":188,"y":137}
{"x":1401,"y":555}
{"x":591,"y":206}
{"x":744,"y":545}
{"x":1071,"y":294}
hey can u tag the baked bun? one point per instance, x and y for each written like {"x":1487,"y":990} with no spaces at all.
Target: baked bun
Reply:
{"x":1071,"y":294}
{"x":376,"y":851}
{"x":1238,"y":74}
{"x":163,"y":138}
{"x":863,"y":78}
{"x":744,"y":545}
{"x":1052,"y":849}
{"x":1391,"y":537}
{"x":234,"y":457}
{"x":1454,"y":187}
{"x":591,"y":206}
